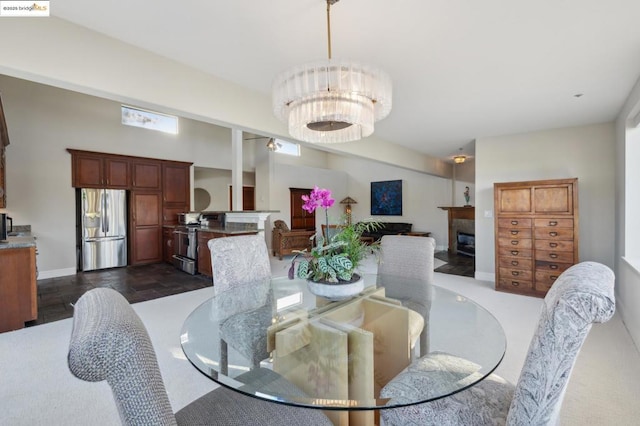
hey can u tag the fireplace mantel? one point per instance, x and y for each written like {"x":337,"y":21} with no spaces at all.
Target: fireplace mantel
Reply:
{"x":466,"y":213}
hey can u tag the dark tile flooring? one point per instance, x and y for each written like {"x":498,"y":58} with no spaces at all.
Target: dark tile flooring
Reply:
{"x":456,"y":264}
{"x":141,"y":283}
{"x":136,"y":283}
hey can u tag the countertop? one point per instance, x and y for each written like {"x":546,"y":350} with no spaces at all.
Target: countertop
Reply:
{"x":22,"y":240}
{"x":228,"y":231}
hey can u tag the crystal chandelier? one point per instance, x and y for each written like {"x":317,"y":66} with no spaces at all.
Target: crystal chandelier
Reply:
{"x":331,"y":101}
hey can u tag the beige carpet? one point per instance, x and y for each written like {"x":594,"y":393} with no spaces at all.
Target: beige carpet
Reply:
{"x":36,"y":387}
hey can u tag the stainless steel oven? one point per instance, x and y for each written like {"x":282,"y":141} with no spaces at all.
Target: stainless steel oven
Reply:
{"x":185,"y":243}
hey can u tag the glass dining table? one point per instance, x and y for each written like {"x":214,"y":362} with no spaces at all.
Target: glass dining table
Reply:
{"x":339,"y":354}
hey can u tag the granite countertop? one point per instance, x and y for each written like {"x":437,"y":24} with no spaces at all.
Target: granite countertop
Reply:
{"x":22,"y":240}
{"x":227,"y":230}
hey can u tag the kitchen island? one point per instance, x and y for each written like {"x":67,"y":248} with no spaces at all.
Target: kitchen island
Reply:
{"x":18,"y":288}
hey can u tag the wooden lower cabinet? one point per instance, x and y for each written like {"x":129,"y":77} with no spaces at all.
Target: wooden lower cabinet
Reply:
{"x":146,"y":228}
{"x":536,"y":235}
{"x":167,"y":244}
{"x":18,"y":288}
{"x":204,"y":254}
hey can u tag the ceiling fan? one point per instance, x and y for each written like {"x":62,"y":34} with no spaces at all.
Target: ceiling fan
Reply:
{"x":272,"y":144}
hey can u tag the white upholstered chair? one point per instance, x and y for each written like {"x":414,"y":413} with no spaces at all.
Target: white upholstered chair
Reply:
{"x":236,"y":262}
{"x":411,"y":258}
{"x":582,"y":295}
{"x":110,"y":343}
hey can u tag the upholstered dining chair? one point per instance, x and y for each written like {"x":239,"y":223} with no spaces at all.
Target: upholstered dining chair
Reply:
{"x":411,"y":258}
{"x":109,"y":342}
{"x":235,"y":262}
{"x":582,"y":295}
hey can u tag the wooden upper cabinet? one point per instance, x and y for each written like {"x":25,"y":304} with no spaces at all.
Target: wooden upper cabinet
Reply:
{"x":94,"y":170}
{"x":554,"y":199}
{"x":176,"y":183}
{"x":146,"y":174}
{"x":117,"y":174}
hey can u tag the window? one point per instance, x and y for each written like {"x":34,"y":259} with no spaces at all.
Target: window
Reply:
{"x":149,"y":120}
{"x":288,"y":148}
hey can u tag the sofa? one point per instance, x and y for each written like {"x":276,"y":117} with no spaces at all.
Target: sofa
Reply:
{"x":285,"y":241}
{"x":388,"y":228}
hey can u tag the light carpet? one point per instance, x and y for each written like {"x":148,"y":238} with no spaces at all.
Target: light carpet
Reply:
{"x":36,"y":387}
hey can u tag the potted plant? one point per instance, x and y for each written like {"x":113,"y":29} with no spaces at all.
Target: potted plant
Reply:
{"x":333,"y":259}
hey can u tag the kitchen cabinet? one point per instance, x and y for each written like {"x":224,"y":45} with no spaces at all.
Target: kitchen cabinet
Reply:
{"x":18,"y":290}
{"x":536,"y":235}
{"x":167,"y":246}
{"x":160,"y":189}
{"x":145,"y":230}
{"x":99,"y":171}
{"x":176,"y":190}
{"x":146,"y":174}
{"x":204,"y":254}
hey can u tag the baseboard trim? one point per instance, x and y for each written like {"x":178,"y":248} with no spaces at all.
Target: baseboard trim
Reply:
{"x":485,"y":276}
{"x":55,"y":273}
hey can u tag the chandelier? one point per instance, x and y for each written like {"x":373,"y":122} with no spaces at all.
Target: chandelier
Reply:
{"x":331,"y":101}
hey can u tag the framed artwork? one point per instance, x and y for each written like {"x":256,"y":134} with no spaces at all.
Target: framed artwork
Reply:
{"x":386,"y":198}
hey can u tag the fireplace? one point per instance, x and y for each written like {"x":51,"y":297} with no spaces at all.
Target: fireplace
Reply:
{"x":466,"y":244}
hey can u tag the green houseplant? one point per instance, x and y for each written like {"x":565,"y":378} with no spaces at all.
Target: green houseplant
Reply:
{"x":333,"y":258}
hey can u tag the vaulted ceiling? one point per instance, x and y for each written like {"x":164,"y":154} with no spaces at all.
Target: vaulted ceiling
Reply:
{"x":461,"y":69}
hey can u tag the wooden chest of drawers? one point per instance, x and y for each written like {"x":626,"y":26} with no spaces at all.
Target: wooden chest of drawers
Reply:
{"x":536,"y":235}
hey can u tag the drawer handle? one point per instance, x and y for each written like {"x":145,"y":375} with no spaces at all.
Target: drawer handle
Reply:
{"x":515,"y":283}
{"x":515,"y":273}
{"x":514,"y":232}
{"x":514,"y":222}
{"x":553,"y":223}
{"x":553,"y":245}
{"x":514,"y":262}
{"x":514,"y":242}
{"x":553,"y":255}
{"x":553,"y":266}
{"x":553,"y":234}
{"x":553,"y":277}
{"x":514,"y":252}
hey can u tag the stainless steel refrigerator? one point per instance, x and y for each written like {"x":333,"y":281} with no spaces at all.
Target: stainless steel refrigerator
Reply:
{"x":103,"y":228}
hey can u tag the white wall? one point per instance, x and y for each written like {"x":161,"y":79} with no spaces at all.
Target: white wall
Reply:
{"x":583,"y":152}
{"x":627,"y":264}
{"x":217,"y":183}
{"x":43,"y":121}
{"x":422,"y":194}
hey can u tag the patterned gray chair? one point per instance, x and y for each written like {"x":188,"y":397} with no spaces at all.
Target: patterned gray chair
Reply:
{"x":581,"y":296}
{"x":411,"y":258}
{"x":109,"y":342}
{"x":235,"y":262}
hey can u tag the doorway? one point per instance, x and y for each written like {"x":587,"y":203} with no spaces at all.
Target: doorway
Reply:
{"x":300,"y":218}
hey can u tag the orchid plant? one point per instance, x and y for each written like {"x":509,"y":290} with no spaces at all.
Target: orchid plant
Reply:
{"x":332,"y":259}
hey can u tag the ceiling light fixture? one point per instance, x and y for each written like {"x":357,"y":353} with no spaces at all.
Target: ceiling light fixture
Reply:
{"x":459,"y":159}
{"x":331,"y":101}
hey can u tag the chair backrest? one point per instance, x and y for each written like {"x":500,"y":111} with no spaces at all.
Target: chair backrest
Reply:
{"x":280,"y":225}
{"x":109,"y":342}
{"x":238,"y":260}
{"x":407,"y":256}
{"x":582,"y":295}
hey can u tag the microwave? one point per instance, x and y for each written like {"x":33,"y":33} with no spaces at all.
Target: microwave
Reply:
{"x":4,"y":228}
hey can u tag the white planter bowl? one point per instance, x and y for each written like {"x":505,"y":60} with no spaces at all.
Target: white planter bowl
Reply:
{"x":337,"y":291}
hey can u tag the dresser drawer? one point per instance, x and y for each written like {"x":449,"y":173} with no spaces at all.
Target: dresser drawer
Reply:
{"x":554,"y":233}
{"x":554,"y":245}
{"x":554,"y":256}
{"x":517,"y":274}
{"x":515,"y":262}
{"x":514,"y":223}
{"x":514,"y":232}
{"x":515,"y":285}
{"x":553,"y":268}
{"x":554,"y":223}
{"x":518,"y":252}
{"x":515,"y":243}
